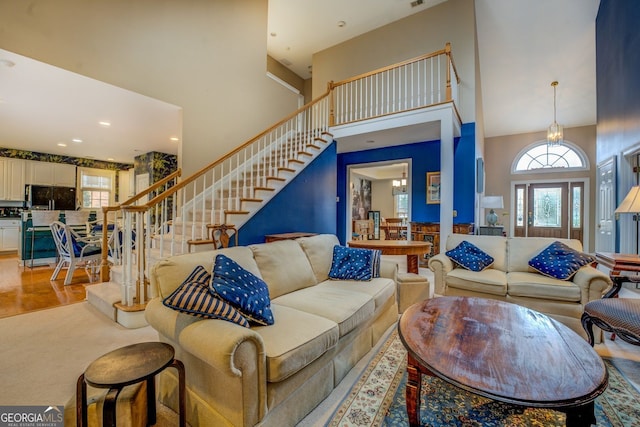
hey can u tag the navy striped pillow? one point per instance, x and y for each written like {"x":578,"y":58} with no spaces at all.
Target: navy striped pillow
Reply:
{"x":193,"y":297}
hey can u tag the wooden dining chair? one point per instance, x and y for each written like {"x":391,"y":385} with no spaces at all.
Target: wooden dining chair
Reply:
{"x":394,"y":229}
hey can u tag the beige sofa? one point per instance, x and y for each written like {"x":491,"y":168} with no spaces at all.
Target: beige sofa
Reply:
{"x":511,"y":279}
{"x":272,"y":375}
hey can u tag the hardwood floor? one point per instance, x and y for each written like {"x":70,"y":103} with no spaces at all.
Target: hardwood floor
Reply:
{"x":23,"y":289}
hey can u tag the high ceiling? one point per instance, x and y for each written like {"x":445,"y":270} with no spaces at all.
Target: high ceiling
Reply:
{"x":523,"y":47}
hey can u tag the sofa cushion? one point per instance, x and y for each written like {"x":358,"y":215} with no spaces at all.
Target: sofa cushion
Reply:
{"x":535,"y":285}
{"x":469,"y":256}
{"x":559,"y":261}
{"x":380,"y":289}
{"x":354,"y":264}
{"x":244,"y":290}
{"x":521,"y":249}
{"x":296,"y":340}
{"x":319,"y":251}
{"x":193,"y":297}
{"x":490,"y":281}
{"x":283,"y":266}
{"x":167,"y":274}
{"x":494,"y":246}
{"x":347,"y":308}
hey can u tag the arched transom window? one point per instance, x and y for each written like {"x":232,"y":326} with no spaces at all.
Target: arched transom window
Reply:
{"x":541,"y":157}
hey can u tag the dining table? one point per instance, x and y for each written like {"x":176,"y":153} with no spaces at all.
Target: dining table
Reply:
{"x":411,"y":248}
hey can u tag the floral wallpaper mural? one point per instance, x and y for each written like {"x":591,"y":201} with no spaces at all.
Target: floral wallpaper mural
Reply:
{"x":157,"y":165}
{"x":77,"y":161}
{"x":55,"y":158}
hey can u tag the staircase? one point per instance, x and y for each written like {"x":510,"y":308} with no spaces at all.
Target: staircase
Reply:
{"x":229,"y":191}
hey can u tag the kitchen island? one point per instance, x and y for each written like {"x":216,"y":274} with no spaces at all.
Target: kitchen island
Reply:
{"x":44,"y":248}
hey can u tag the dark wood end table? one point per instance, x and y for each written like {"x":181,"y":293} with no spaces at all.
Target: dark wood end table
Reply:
{"x":501,"y":351}
{"x":125,"y":366}
{"x":619,"y":263}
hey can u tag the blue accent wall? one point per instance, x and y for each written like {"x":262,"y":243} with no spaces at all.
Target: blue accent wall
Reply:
{"x":617,"y":84}
{"x":308,"y":203}
{"x":425,"y":157}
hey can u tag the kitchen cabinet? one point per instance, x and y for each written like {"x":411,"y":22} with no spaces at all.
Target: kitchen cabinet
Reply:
{"x":47,"y":173}
{"x":9,"y":234}
{"x":12,"y":173}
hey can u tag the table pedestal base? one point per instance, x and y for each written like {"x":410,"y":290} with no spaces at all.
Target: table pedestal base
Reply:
{"x":579,"y":416}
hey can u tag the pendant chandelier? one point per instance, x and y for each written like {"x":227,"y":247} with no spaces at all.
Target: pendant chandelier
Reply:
{"x":555,"y":135}
{"x":399,"y":186}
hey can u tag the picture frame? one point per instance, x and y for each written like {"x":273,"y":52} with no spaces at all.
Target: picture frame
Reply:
{"x":375,"y":217}
{"x":433,"y":188}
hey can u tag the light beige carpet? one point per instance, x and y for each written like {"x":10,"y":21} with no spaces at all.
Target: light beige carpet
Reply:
{"x":43,"y":353}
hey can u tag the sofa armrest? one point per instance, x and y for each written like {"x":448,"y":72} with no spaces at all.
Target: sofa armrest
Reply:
{"x":440,"y":264}
{"x":389,"y":269}
{"x":593,"y":283}
{"x":234,"y":355}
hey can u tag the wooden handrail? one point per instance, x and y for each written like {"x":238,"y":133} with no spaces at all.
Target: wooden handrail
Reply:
{"x":104,"y":262}
{"x":165,"y":194}
{"x":453,"y":64}
{"x":153,"y":187}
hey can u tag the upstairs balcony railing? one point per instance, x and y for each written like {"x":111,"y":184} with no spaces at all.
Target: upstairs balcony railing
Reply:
{"x":420,"y":82}
{"x":223,"y":191}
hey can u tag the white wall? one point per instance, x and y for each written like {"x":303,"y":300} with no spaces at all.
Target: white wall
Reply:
{"x":425,"y":32}
{"x":208,"y":57}
{"x":381,"y":198}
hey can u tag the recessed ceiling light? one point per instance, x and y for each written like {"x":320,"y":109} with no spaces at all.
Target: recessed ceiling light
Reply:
{"x":61,"y":144}
{"x":76,"y":140}
{"x":174,"y":139}
{"x":110,"y":159}
{"x":341,"y":24}
{"x":104,"y":124}
{"x":273,"y":34}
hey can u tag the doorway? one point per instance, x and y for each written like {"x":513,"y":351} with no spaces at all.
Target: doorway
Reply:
{"x":383,"y":187}
{"x":554,"y":209}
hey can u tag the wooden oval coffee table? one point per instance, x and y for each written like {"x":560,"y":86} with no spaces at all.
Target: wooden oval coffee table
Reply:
{"x":501,"y":351}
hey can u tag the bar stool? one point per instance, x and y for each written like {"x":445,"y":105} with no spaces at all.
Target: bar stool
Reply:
{"x":40,"y":221}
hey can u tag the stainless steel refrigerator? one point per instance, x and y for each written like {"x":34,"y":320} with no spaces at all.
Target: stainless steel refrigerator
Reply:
{"x":49,"y":197}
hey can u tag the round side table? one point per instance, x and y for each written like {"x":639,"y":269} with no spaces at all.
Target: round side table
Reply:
{"x":125,"y":366}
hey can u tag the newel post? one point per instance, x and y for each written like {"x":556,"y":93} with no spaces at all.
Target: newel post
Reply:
{"x":447,"y":51}
{"x":104,"y":261}
{"x":332,"y":116}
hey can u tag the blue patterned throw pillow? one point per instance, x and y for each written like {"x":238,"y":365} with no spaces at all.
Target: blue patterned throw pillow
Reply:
{"x":559,"y":261}
{"x":242,"y":289}
{"x":354,"y":263}
{"x":193,"y":297}
{"x":469,"y":256}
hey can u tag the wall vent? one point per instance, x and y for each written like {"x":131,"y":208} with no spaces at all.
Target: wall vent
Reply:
{"x":286,"y":62}
{"x":416,"y":3}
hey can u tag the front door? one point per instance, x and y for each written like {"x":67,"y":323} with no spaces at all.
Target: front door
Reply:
{"x":548,"y":210}
{"x":553,"y":210}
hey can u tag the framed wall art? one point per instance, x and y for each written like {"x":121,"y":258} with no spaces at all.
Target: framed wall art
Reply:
{"x":433,"y":187}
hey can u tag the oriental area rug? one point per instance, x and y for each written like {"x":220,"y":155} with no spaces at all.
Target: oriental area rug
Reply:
{"x":378,"y":399}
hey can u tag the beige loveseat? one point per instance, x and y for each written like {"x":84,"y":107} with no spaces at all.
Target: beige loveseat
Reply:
{"x":272,"y":375}
{"x":511,"y":279}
